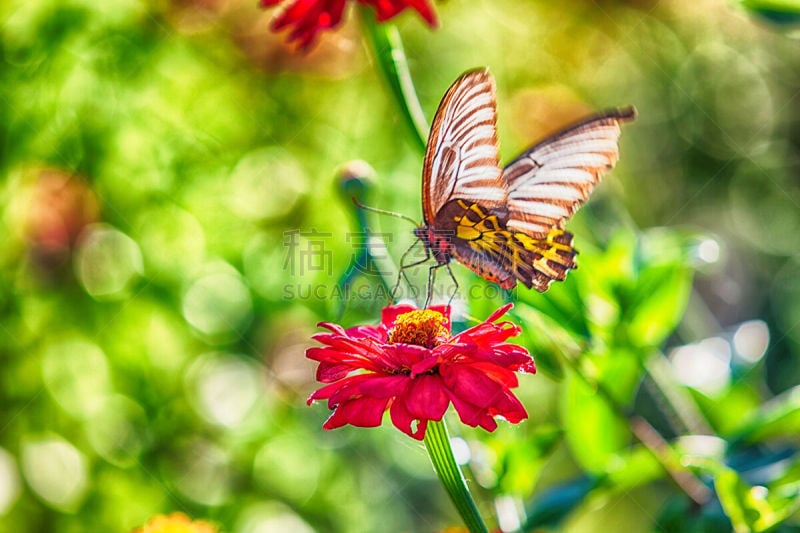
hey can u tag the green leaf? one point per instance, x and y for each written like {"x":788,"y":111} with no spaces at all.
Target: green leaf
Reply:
{"x":730,"y":410}
{"x":754,"y":509}
{"x":563,"y":303}
{"x":594,"y":431}
{"x":777,"y":11}
{"x":522,"y":459}
{"x":636,"y":467}
{"x":613,"y":267}
{"x":547,"y":341}
{"x":657,"y":304}
{"x":681,"y":516}
{"x":619,"y":371}
{"x":779,"y":418}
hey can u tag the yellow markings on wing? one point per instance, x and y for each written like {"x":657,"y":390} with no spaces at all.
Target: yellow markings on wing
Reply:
{"x":517,"y":252}
{"x":476,"y":227}
{"x":548,"y":248}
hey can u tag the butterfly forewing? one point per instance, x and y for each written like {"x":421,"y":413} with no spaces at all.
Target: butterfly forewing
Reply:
{"x":551,"y":180}
{"x":461,"y":160}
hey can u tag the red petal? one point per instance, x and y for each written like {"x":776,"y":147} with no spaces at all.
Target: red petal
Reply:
{"x":511,"y":356}
{"x":330,"y":372}
{"x":500,"y":312}
{"x":481,"y":384}
{"x":390,"y":313}
{"x":403,"y":420}
{"x":308,"y":17}
{"x":359,"y":353}
{"x":487,"y":334}
{"x":427,"y":12}
{"x":510,"y":408}
{"x":405,"y":356}
{"x":384,"y":386}
{"x":334,"y":365}
{"x":335,"y":328}
{"x":387,"y":9}
{"x":361,"y":412}
{"x":334,"y":390}
{"x":426,"y":398}
{"x":473,"y":415}
{"x":374,"y":332}
{"x":424,"y":365}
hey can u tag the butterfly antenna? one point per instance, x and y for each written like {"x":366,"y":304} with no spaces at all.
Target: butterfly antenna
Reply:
{"x":384,"y":212}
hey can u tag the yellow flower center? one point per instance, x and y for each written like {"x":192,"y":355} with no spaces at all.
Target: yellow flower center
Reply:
{"x":423,"y":328}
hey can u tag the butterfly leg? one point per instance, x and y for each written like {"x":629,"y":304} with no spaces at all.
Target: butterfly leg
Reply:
{"x":431,"y":277}
{"x":402,"y":271}
{"x":455,"y":284}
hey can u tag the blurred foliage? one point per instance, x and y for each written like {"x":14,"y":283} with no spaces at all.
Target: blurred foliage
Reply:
{"x":174,"y":231}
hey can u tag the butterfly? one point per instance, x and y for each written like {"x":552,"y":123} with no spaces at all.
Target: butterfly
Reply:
{"x":507,"y":224}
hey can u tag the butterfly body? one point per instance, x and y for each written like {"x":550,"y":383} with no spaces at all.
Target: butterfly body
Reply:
{"x":506,"y":224}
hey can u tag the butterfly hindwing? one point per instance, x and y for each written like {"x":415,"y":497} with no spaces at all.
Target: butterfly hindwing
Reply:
{"x":482,"y":242}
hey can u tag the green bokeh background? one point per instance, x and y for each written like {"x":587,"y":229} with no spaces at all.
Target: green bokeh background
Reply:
{"x":174,"y":226}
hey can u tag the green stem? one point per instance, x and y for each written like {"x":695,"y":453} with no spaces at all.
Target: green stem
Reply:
{"x":438,"y":444}
{"x":391,"y":57}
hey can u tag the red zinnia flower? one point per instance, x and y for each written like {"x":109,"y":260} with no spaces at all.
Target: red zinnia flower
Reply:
{"x":308,"y":17}
{"x":410,"y":365}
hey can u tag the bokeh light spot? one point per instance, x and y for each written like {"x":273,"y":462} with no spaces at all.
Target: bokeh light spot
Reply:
{"x":751,"y":340}
{"x":203,"y":474}
{"x":269,"y":518}
{"x":293,"y":455}
{"x":117,"y":431}
{"x":56,"y":471}
{"x":218,"y":304}
{"x":108,"y":262}
{"x":266,"y":183}
{"x":460,"y":450}
{"x":224,"y":388}
{"x":9,"y":481}
{"x":704,"y":365}
{"x":708,"y":251}
{"x":76,"y":374}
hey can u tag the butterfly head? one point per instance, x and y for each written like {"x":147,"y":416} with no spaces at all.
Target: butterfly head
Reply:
{"x":439,"y":243}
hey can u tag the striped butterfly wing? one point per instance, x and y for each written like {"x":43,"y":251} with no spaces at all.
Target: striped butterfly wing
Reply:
{"x":547,"y":184}
{"x":507,"y":225}
{"x":483,"y":243}
{"x":461,"y":159}
{"x":551,"y":180}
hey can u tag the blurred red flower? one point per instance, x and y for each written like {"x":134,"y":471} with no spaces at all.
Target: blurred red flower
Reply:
{"x":410,"y":365}
{"x":309,"y":17}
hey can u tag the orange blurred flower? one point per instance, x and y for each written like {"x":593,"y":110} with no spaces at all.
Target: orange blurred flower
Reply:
{"x":176,"y":523}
